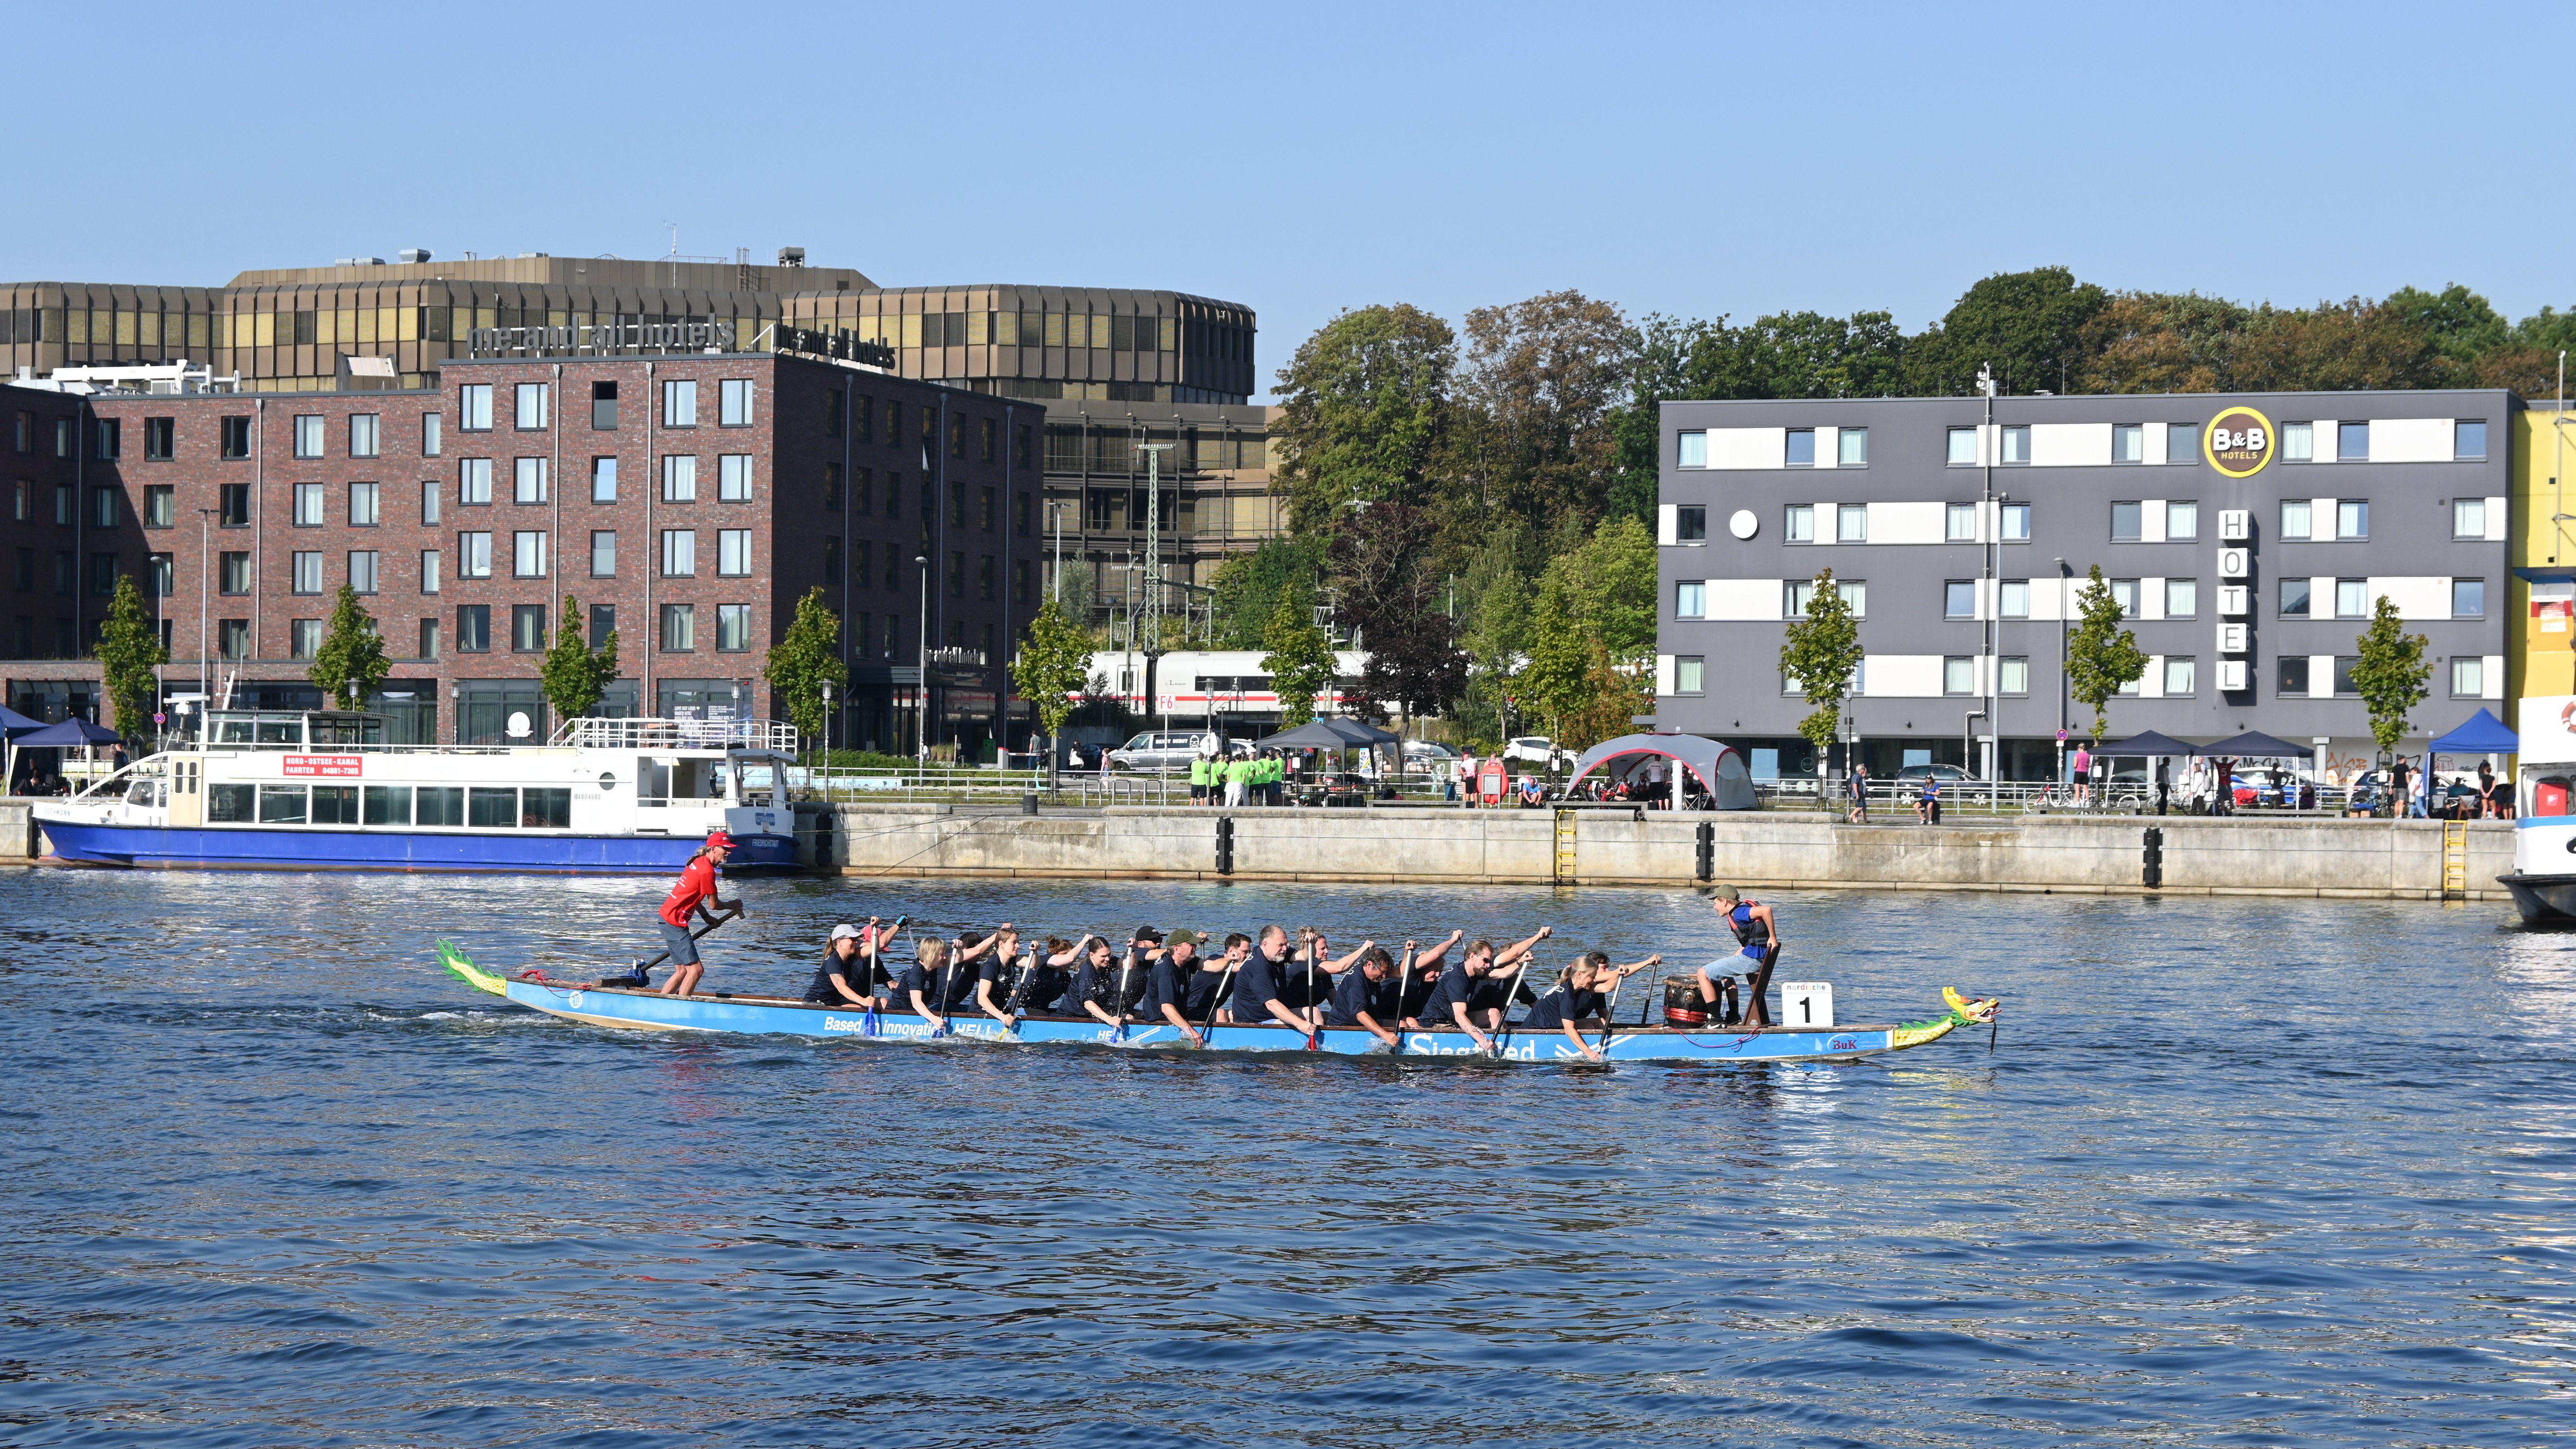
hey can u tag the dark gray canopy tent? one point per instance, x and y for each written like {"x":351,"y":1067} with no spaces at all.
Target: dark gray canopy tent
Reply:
{"x":2254,"y":745}
{"x":1720,"y":768}
{"x":1329,"y":734}
{"x":2150,"y":745}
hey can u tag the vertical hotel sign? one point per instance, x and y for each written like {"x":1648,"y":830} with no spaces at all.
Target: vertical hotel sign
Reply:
{"x":2239,"y":441}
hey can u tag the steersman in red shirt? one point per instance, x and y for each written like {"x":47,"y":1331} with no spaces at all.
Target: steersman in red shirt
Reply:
{"x":696,"y":892}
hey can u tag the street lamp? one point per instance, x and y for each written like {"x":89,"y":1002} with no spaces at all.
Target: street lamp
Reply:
{"x":922,"y":656}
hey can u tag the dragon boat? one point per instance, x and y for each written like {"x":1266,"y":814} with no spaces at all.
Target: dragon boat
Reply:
{"x":643,"y":1010}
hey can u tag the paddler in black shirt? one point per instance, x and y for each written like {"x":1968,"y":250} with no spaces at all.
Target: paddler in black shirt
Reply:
{"x":1256,"y":996}
{"x":1184,"y":983}
{"x":1455,"y":998}
{"x":1579,"y":999}
{"x":1369,"y":996}
{"x":843,"y":976}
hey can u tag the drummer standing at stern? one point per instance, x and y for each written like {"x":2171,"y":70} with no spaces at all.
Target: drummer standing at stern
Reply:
{"x":1758,"y":931}
{"x":695,"y":894}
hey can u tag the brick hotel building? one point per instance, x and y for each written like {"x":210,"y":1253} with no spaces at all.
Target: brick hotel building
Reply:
{"x":686,"y":500}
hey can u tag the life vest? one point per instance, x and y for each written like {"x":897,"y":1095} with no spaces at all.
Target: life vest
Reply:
{"x":1751,"y":932}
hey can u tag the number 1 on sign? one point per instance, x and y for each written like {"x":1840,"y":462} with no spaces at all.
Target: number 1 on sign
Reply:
{"x":1808,"y":1004}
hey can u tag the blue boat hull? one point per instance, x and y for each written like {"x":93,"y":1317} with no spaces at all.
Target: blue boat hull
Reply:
{"x":272,"y":848}
{"x":631,"y":1009}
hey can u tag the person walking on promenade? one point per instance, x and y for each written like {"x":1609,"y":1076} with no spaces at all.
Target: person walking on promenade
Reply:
{"x":1859,"y":788}
{"x":2083,"y":767}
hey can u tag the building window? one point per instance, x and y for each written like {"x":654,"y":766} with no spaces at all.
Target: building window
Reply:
{"x":860,"y":554}
{"x":988,"y":512}
{"x":362,"y":571}
{"x":307,"y":573}
{"x":66,"y":505}
{"x":603,"y":480}
{"x":111,"y":440}
{"x":2126,"y":522}
{"x":1690,"y":674}
{"x":2016,"y":521}
{"x":531,"y":406}
{"x":733,"y":403}
{"x":310,"y":506}
{"x":603,"y":625}
{"x":1963,"y":447}
{"x":160,"y":505}
{"x":2468,"y":677}
{"x":733,"y":552}
{"x":957,"y":575}
{"x":235,"y":439}
{"x":474,"y":555}
{"x":1798,"y":523}
{"x":2016,"y":444}
{"x":1959,"y":674}
{"x":2294,"y":598}
{"x":161,"y":437}
{"x":2344,"y":664}
{"x":2468,"y":598}
{"x":863,"y":418}
{"x":679,"y":553}
{"x":232,"y":575}
{"x":1851,"y":523}
{"x":363,"y":505}
{"x":832,"y":412}
{"x":2352,"y":598}
{"x":2181,"y":675}
{"x":1852,"y":447}
{"x":1959,"y":599}
{"x":2124,"y":592}
{"x":429,"y":504}
{"x":429,"y":639}
{"x":2352,"y":519}
{"x":987,"y":584}
{"x":528,"y":554}
{"x":2352,"y":442}
{"x":733,"y":478}
{"x":1019,"y":581}
{"x":104,"y":511}
{"x":679,"y":628}
{"x":1690,"y":600}
{"x":429,"y":570}
{"x":474,"y":628}
{"x":528,"y":481}
{"x":1021,"y":511}
{"x":603,"y":407}
{"x":2182,"y":443}
{"x":679,"y":478}
{"x":1794,"y":594}
{"x":102,"y":576}
{"x":2182,"y":598}
{"x":1690,"y":523}
{"x":733,"y":627}
{"x":603,"y":553}
{"x":1960,"y":523}
{"x":2468,"y":518}
{"x":233,"y":638}
{"x":429,"y":434}
{"x":1802,"y":448}
{"x":2468,"y":440}
{"x":2297,"y":518}
{"x":304,"y":638}
{"x":1690,"y":450}
{"x":2012,"y":675}
{"x":473,"y":415}
{"x":528,"y":628}
{"x":474,"y":481}
{"x":680,"y":404}
{"x":2129,"y":443}
{"x":365,"y":437}
{"x":2182,"y":521}
{"x":308,"y":435}
{"x":2298,"y":442}
{"x":2013,"y":601}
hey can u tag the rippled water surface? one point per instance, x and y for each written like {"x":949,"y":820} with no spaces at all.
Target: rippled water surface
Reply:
{"x":2242,"y":1172}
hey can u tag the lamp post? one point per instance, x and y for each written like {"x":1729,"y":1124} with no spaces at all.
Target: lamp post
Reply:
{"x":922,"y":656}
{"x":1055,"y":519}
{"x":1994,"y":528}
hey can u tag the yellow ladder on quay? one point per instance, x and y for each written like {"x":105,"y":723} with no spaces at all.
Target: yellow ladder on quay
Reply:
{"x":2455,"y":860}
{"x":1565,"y":847}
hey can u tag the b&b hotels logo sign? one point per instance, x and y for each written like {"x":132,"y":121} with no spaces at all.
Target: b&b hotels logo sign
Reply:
{"x":2239,"y":442}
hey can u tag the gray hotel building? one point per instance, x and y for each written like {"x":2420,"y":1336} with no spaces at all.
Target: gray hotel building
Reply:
{"x":1961,"y":545}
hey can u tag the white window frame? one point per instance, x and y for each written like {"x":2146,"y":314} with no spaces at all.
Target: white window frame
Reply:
{"x":733,"y":402}
{"x":366,"y":435}
{"x":366,"y":505}
{"x":733,"y":553}
{"x":474,"y":408}
{"x":531,"y":406}
{"x":474,"y":555}
{"x":679,"y":402}
{"x":679,"y":478}
{"x":679,"y":553}
{"x":363,"y":570}
{"x":311,"y":435}
{"x":473,"y":482}
{"x":733,"y":478}
{"x":528,"y":553}
{"x":305,"y":572}
{"x":528,"y":481}
{"x":312,"y":505}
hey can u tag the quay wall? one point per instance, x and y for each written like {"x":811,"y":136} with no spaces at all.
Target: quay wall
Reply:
{"x":2242,"y":855}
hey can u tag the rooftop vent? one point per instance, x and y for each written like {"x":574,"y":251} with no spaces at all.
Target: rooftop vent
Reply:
{"x":359,"y":262}
{"x":413,"y":255}
{"x":530,"y":256}
{"x":791,"y":256}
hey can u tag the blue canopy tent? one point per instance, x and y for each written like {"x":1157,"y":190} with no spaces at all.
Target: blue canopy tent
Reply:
{"x":2480,"y":734}
{"x":12,"y":726}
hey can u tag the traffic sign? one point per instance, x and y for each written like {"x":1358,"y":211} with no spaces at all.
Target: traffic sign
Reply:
{"x":160,"y":718}
{"x":2061,"y":737}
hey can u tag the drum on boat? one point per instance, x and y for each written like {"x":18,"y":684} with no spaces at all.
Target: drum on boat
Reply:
{"x":1684,"y":1007}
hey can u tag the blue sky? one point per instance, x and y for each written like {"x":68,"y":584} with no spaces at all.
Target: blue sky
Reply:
{"x":1697,"y":160}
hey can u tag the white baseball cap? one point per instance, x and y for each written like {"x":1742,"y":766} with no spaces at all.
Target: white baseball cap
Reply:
{"x":845,"y":933}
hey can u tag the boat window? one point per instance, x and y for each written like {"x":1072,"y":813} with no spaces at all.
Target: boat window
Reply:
{"x":545,"y":808}
{"x":281,"y":805}
{"x":491,"y":809}
{"x":228,"y":804}
{"x":281,"y":734}
{"x":2549,"y":794}
{"x":441,"y":805}
{"x":388,"y":805}
{"x":335,"y":804}
{"x":695,"y":780}
{"x":652,"y":781}
{"x":140,"y":792}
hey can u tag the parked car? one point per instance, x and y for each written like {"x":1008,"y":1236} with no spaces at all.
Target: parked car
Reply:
{"x":1538,"y":750}
{"x":1419,"y":754}
{"x":1946,"y":774}
{"x":1156,"y":750}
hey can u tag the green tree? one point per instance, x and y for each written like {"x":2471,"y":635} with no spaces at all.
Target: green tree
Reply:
{"x":2390,"y":676}
{"x":1659,"y":369}
{"x":1363,"y":406}
{"x":1800,"y":354}
{"x":1053,"y":667}
{"x":1541,"y":380}
{"x":128,"y":650}
{"x":2463,"y":326}
{"x":351,"y":663}
{"x":806,"y":658}
{"x":573,"y":676}
{"x":1247,"y":588}
{"x":1300,"y":661}
{"x":2101,"y":657}
{"x":1820,"y":651}
{"x":1609,"y":585}
{"x":1558,"y":677}
{"x":2029,"y":326}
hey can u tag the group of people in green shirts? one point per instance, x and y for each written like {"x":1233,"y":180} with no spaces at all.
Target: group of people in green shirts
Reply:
{"x":1239,"y":780}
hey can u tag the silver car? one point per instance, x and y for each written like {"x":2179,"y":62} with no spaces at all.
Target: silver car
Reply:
{"x":1157,"y":751}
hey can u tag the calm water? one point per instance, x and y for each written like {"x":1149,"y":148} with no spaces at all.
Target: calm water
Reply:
{"x":2243,"y":1173}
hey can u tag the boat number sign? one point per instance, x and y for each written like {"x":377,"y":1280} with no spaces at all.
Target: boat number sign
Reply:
{"x":328,"y":767}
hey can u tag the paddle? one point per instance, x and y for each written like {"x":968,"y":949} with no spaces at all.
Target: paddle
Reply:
{"x":1216,"y":1003}
{"x":876,"y":965}
{"x":1609,"y":1016}
{"x":1126,"y":970}
{"x":641,"y":980}
{"x":1315,"y":1028}
{"x":1400,"y":973}
{"x":1019,"y":989}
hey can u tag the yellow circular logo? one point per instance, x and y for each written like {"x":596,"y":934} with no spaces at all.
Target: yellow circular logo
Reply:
{"x":2239,"y":442}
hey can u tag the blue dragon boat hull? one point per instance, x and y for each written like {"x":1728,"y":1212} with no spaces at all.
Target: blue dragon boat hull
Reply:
{"x":626,"y":1007}
{"x":324,"y":849}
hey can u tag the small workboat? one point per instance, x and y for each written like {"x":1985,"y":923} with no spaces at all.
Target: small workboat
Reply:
{"x":622,"y":1006}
